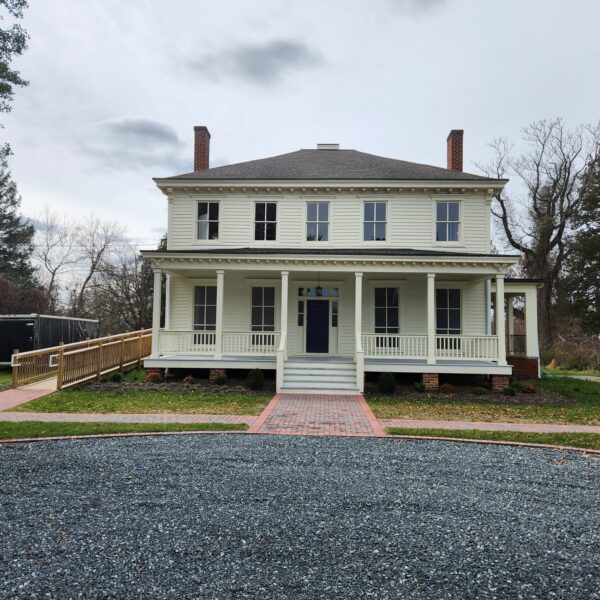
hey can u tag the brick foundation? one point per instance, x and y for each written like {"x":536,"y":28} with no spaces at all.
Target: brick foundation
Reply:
{"x":214,"y":373}
{"x":431,"y":381}
{"x":154,"y":374}
{"x":524,"y":367}
{"x":499,"y":382}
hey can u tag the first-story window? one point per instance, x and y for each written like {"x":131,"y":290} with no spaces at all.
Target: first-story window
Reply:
{"x":263,"y":309}
{"x":205,"y":313}
{"x":447,"y":222}
{"x":208,"y":221}
{"x":317,"y":222}
{"x":265,"y":221}
{"x":374,"y":221}
{"x":447,"y":311}
{"x":386,"y":310}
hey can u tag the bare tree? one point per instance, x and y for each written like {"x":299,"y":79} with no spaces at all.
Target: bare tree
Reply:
{"x":55,"y":248}
{"x":539,"y":223}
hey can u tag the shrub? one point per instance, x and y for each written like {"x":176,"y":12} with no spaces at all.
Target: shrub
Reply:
{"x":518,"y":385}
{"x":528,"y":388}
{"x":447,"y":388}
{"x":479,"y":391}
{"x":153,"y":377}
{"x":419,"y":386}
{"x":116,"y":377}
{"x":387,"y":383}
{"x":255,"y":379}
{"x":220,"y":378}
{"x":188,"y":380}
{"x":509,"y":391}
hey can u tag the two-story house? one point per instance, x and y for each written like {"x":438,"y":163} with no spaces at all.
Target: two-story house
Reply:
{"x":327,"y":263}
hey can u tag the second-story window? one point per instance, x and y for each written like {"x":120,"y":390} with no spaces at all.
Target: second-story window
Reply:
{"x":208,"y":220}
{"x":447,"y":222}
{"x":375,"y":217}
{"x":265,"y":221}
{"x":317,"y":222}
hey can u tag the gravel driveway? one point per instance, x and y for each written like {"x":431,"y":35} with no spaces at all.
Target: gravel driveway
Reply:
{"x":239,"y":516}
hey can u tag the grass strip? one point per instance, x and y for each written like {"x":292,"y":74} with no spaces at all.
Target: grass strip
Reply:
{"x":36,"y":429}
{"x":577,"y":440}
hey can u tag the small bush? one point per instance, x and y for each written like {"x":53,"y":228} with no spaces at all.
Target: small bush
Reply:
{"x":447,"y":388}
{"x":188,"y":380}
{"x":387,"y":383}
{"x":255,"y":380}
{"x":220,"y":378}
{"x":116,"y":377}
{"x":528,"y":388}
{"x":518,"y":385}
{"x":153,"y":377}
{"x":509,"y":391}
{"x":479,"y":391}
{"x":419,"y":386}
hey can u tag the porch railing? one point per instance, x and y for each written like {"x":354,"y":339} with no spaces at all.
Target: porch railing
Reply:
{"x":478,"y":347}
{"x":204,"y":342}
{"x":390,"y":345}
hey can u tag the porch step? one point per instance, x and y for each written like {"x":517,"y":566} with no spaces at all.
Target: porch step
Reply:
{"x":317,"y":375}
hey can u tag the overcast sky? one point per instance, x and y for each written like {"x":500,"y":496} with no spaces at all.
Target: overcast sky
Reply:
{"x":116,"y":87}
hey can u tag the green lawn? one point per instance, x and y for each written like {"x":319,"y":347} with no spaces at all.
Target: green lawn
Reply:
{"x":36,"y":429}
{"x":5,"y":379}
{"x":578,"y":440}
{"x":585,"y":410}
{"x":561,"y":372}
{"x":135,"y":401}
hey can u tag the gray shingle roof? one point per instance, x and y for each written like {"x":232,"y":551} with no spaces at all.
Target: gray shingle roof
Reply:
{"x":329,"y":165}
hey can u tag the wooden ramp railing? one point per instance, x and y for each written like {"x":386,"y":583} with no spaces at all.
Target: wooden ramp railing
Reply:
{"x":81,"y":361}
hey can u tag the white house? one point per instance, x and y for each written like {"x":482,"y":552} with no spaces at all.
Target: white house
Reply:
{"x":326,"y":263}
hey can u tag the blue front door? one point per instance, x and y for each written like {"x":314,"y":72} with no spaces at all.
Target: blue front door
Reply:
{"x":317,"y":326}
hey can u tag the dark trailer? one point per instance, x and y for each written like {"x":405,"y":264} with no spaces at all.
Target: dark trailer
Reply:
{"x":32,"y":332}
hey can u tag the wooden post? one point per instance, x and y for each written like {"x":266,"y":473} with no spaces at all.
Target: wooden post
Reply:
{"x":99,"y":365}
{"x":122,"y":353}
{"x":59,"y":372}
{"x":139,"y":362}
{"x":15,"y":371}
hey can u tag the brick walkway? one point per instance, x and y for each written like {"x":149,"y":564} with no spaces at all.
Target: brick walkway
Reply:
{"x":319,"y":414}
{"x":11,"y":398}
{"x":485,"y":426}
{"x":124,"y":418}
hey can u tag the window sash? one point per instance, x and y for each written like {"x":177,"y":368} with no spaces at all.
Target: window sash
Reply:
{"x":317,"y":221}
{"x":447,"y":225}
{"x":207,"y":221}
{"x":387,"y":310}
{"x":448,"y":311}
{"x":263,"y":309}
{"x":265,"y":221}
{"x":205,"y":308}
{"x":374,"y":221}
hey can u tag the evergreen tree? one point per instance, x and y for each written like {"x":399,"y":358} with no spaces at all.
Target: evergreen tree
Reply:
{"x":16,"y":235}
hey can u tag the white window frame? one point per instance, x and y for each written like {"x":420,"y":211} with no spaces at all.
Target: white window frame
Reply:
{"x":447,"y":288}
{"x":203,"y":326}
{"x":457,"y":242}
{"x":254,"y":222}
{"x":374,"y":221}
{"x":375,"y":307}
{"x":317,"y":222}
{"x":262,"y":307}
{"x":218,"y":221}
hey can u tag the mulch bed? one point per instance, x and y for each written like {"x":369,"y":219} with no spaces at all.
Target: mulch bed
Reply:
{"x":177,"y":387}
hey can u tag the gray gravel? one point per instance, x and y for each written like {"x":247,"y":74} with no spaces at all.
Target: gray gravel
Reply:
{"x":287,"y":517}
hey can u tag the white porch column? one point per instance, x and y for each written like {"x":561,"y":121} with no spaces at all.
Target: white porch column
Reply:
{"x":510,"y":318}
{"x":156,"y":312}
{"x":219,"y":324}
{"x":430,"y":318}
{"x":167,"y":302}
{"x":284,"y":304}
{"x":500,"y":320}
{"x":531,"y":323}
{"x":359,"y":352}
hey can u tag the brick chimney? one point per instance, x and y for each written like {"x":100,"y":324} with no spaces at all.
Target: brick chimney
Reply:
{"x":201,"y":147}
{"x":455,"y":150}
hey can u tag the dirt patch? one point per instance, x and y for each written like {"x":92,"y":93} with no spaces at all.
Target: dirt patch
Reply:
{"x":177,"y":387}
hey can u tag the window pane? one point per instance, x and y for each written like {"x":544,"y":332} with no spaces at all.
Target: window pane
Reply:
{"x":323,"y":232}
{"x":323,"y":211}
{"x":442,"y":211}
{"x":210,"y":326}
{"x":271,"y":211}
{"x":269,"y":296}
{"x":440,"y":232}
{"x":454,"y":298}
{"x":392,"y":296}
{"x":199,"y":294}
{"x":454,"y":319}
{"x":311,"y":213}
{"x":257,"y":315}
{"x":380,"y":231}
{"x":259,"y":211}
{"x":311,"y":232}
{"x":368,"y":232}
{"x":441,"y":298}
{"x":203,"y":230}
{"x":213,"y":211}
{"x":259,"y":231}
{"x":380,"y":317}
{"x":257,"y":296}
{"x":380,"y":211}
{"x":211,"y":294}
{"x":203,"y":211}
{"x":453,"y":232}
{"x":392,"y":316}
{"x":300,"y":291}
{"x":271,"y":233}
{"x":198,"y":315}
{"x":269,"y":315}
{"x":369,"y":211}
{"x":300,"y":313}
{"x":442,"y":319}
{"x":211,"y":315}
{"x":453,"y":211}
{"x":213,"y":230}
{"x":380,"y":296}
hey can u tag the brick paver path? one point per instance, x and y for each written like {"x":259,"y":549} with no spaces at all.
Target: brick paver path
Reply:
{"x":485,"y":426}
{"x":124,"y":417}
{"x":11,"y":398}
{"x":317,"y":414}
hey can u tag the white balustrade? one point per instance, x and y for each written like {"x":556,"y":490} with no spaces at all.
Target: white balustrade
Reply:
{"x":478,"y":347}
{"x":204,"y":342}
{"x":250,"y":342}
{"x":391,"y":345}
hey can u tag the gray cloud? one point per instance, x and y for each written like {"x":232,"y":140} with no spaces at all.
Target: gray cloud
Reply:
{"x":133,"y":143}
{"x":416,"y":7}
{"x":258,"y":63}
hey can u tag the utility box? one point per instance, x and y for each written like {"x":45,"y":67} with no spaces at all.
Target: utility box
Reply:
{"x":33,"y":332}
